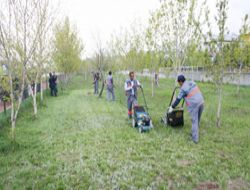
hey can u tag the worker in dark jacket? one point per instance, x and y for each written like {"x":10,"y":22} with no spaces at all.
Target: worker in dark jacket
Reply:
{"x":194,"y":102}
{"x":130,"y":87}
{"x":51,"y":84}
{"x":54,"y":81}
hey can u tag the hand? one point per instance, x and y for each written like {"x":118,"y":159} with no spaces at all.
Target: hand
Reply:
{"x":170,"y":109}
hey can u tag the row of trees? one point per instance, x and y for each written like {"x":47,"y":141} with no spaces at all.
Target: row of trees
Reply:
{"x":178,"y":33}
{"x":31,"y":45}
{"x":182,"y":33}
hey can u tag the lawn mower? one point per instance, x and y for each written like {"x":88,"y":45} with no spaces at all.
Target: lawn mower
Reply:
{"x":141,"y":118}
{"x":176,"y":117}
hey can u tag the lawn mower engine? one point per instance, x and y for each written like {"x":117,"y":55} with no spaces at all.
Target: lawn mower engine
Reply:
{"x":175,"y":118}
{"x":141,"y":119}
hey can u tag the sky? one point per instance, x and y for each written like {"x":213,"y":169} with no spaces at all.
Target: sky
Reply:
{"x":98,"y":19}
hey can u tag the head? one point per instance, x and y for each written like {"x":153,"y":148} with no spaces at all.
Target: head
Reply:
{"x":110,"y":73}
{"x":50,"y":74}
{"x":131,"y":75}
{"x":181,"y":79}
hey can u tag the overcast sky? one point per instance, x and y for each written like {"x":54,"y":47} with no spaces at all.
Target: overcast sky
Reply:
{"x":99,"y":18}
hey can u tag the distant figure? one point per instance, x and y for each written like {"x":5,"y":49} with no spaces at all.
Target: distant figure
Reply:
{"x":130,"y":87}
{"x":156,"y":79}
{"x":110,"y":87}
{"x":96,"y":82}
{"x":54,"y":79}
{"x":53,"y":84}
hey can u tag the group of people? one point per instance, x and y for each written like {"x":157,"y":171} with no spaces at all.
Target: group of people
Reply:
{"x":188,"y":91}
{"x":109,"y":85}
{"x":53,"y":84}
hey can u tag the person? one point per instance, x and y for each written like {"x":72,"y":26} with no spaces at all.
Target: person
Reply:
{"x":110,"y":87}
{"x":194,"y":102}
{"x":54,"y":82}
{"x":130,"y":87}
{"x":156,"y":79}
{"x":51,"y":83}
{"x":96,"y":81}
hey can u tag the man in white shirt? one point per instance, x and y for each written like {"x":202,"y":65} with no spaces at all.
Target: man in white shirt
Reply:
{"x":130,"y":87}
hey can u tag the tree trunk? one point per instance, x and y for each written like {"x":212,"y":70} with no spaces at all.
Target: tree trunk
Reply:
{"x":239,"y":74}
{"x":33,"y":93}
{"x":218,"y":121}
{"x":35,"y":106}
{"x":34,"y":101}
{"x":14,"y":111}
{"x":41,"y":90}
{"x":4,"y":106}
{"x":12,"y":99}
{"x":13,"y":129}
{"x":152,"y":84}
{"x":102,"y":78}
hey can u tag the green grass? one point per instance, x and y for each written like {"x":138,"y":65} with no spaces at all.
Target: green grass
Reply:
{"x":81,"y":142}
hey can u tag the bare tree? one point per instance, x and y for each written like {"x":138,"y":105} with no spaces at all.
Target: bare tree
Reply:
{"x":100,"y":64}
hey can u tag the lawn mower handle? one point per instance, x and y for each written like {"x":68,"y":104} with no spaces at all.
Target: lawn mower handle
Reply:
{"x":170,"y":103}
{"x":144,"y":98}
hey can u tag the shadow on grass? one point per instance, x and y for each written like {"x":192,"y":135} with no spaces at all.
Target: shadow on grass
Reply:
{"x":10,"y":146}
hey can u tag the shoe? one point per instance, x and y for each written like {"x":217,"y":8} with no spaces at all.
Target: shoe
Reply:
{"x":195,"y":142}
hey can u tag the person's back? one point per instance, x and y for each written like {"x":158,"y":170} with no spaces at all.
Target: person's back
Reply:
{"x":193,"y":96}
{"x":110,"y":87}
{"x":194,"y":101}
{"x":109,"y":81}
{"x":54,"y":82}
{"x":54,"y":79}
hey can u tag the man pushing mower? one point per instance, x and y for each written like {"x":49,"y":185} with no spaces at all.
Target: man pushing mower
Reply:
{"x":130,"y":87}
{"x":139,"y":115}
{"x":194,"y":101}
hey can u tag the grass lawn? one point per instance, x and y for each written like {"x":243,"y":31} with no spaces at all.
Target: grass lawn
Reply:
{"x":82,"y":142}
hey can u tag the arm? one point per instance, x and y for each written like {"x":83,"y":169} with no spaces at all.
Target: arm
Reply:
{"x":138,"y":84}
{"x":181,"y":95}
{"x":127,"y":87}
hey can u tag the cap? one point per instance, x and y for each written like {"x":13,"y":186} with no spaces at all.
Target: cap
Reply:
{"x":181,"y":78}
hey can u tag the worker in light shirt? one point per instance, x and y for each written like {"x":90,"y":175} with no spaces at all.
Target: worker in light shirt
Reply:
{"x":130,"y":87}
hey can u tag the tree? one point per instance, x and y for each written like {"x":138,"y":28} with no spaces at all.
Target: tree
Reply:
{"x":4,"y":88}
{"x":242,"y":49}
{"x":42,"y":53}
{"x":218,"y":47}
{"x":173,"y":27}
{"x":68,"y":49}
{"x":19,"y":31}
{"x":128,"y":46}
